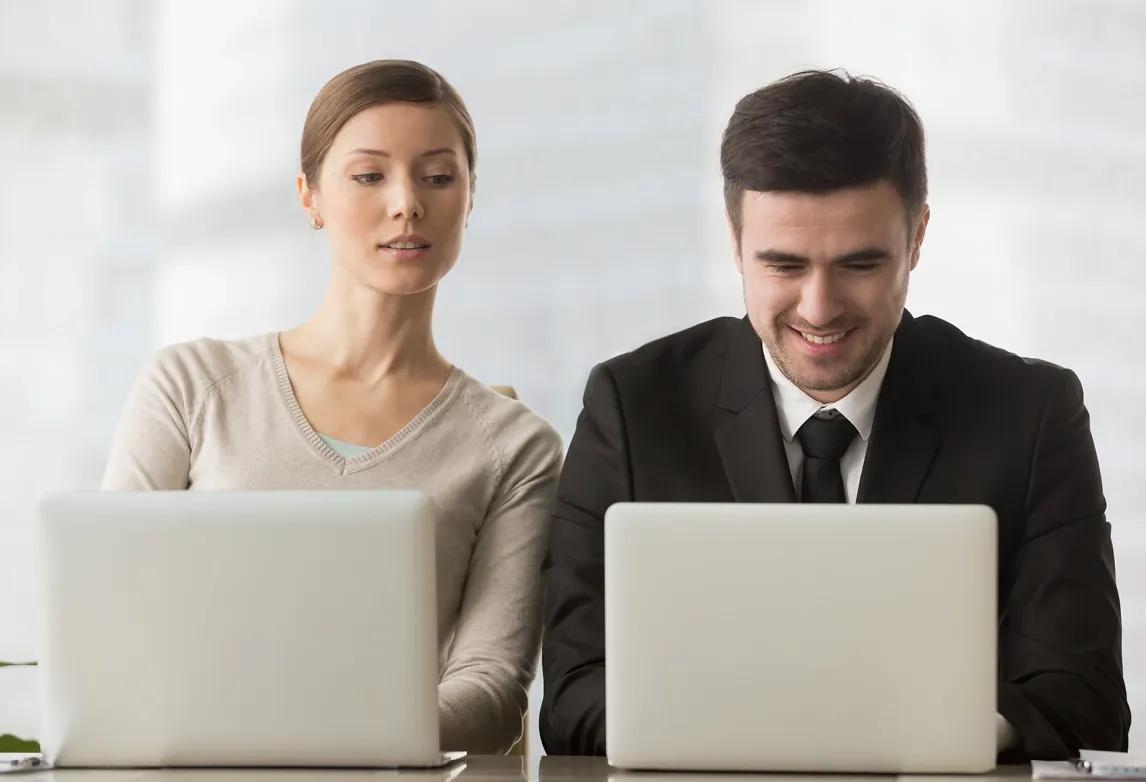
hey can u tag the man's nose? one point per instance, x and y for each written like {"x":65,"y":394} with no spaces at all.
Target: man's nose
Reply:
{"x":820,"y":300}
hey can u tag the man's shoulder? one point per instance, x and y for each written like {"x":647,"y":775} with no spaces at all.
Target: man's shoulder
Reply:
{"x":959,"y":359}
{"x":676,"y":352}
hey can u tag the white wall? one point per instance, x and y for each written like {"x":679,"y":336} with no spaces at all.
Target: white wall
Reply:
{"x":149,"y":153}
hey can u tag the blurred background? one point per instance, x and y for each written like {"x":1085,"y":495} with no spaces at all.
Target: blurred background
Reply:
{"x":148,"y":153}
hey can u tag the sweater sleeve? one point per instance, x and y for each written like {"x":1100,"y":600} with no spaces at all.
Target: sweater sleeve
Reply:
{"x":151,"y":449}
{"x":483,"y":693}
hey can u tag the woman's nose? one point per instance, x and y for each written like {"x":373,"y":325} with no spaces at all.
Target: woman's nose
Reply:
{"x":404,"y":202}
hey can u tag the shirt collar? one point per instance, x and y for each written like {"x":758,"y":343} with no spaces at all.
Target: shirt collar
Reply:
{"x":794,"y":407}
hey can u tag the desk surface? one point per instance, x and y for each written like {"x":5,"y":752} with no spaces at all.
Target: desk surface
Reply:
{"x":480,"y":768}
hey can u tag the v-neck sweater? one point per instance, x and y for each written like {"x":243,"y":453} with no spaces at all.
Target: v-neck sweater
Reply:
{"x":218,"y":415}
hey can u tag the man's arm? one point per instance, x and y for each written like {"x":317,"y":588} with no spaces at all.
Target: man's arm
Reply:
{"x":1060,"y":639}
{"x":596,"y":474}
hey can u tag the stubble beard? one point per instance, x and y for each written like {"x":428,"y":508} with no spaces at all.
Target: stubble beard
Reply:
{"x":808,"y":374}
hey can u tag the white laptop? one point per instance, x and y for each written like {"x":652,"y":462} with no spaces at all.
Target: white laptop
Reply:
{"x":818,"y":637}
{"x":280,"y":628}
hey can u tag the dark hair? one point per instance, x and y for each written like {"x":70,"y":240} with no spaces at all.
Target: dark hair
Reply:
{"x":370,"y":84}
{"x":817,"y":131}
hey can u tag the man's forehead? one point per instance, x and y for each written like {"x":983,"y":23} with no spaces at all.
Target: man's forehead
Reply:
{"x":877,"y":204}
{"x":871,"y":213}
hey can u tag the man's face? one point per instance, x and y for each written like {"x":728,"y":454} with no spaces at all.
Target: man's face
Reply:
{"x":825,"y":279}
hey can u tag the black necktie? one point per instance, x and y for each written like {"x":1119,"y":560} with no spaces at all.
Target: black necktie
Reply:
{"x":824,"y":441}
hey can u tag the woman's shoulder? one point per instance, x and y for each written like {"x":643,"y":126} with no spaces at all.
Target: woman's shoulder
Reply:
{"x":195,"y":366}
{"x":510,"y":425}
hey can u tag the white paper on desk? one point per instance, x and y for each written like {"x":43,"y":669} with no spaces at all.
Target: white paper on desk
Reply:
{"x":11,"y":762}
{"x":1056,"y":769}
{"x":1104,"y":765}
{"x":1113,"y":758}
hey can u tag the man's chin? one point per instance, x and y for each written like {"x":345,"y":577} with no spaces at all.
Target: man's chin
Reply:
{"x":822,"y":384}
{"x":811,"y":375}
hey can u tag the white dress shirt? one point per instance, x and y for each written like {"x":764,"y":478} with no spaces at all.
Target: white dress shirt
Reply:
{"x":794,"y":407}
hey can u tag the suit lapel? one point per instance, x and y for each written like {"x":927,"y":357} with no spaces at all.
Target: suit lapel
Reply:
{"x":748,"y":433}
{"x":904,"y":435}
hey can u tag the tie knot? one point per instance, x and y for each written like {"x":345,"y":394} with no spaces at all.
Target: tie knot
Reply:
{"x":826,"y":438}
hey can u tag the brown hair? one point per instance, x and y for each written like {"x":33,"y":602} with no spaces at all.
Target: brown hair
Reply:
{"x":370,"y":84}
{"x":817,"y":131}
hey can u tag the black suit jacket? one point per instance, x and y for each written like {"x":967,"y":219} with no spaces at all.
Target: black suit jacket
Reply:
{"x":691,"y":418}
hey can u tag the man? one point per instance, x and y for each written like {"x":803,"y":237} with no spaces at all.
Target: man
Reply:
{"x":829,"y":391}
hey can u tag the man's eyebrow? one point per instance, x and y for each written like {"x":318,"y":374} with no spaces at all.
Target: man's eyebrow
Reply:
{"x":776,"y":256}
{"x":866,"y":254}
{"x":857,"y":256}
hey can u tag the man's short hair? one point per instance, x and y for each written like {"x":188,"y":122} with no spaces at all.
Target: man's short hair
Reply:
{"x":818,"y":131}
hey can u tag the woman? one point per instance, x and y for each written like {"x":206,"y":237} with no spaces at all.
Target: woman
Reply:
{"x":359,"y":397}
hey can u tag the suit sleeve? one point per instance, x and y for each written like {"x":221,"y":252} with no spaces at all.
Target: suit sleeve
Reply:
{"x":1060,"y":635}
{"x":596,"y":475}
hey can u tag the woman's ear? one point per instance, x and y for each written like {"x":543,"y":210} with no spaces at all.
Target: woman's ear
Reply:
{"x":308,"y":198}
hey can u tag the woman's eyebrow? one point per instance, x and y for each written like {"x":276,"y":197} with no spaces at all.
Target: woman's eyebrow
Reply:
{"x":384,"y":153}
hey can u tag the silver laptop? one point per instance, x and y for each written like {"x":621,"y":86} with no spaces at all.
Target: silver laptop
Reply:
{"x":239,"y":629}
{"x":779,"y":637}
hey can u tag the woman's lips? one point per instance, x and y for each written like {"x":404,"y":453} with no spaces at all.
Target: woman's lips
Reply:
{"x":404,"y":251}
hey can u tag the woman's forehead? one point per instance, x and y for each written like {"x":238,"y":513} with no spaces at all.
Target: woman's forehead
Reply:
{"x":399,"y":129}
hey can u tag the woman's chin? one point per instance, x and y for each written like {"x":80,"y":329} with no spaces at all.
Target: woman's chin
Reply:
{"x":396,"y":282}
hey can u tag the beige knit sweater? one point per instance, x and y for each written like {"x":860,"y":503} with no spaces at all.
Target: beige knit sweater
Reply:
{"x":222,"y":415}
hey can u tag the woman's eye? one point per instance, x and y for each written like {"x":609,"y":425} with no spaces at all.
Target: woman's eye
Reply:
{"x":440,"y":180}
{"x":366,"y":179}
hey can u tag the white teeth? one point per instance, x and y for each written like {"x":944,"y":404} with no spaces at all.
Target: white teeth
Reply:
{"x":823,"y":340}
{"x":405,"y":246}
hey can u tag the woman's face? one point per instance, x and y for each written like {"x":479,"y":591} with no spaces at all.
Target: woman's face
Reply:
{"x":393,"y":193}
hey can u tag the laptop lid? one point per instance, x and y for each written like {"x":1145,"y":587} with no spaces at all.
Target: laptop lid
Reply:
{"x":801,"y":637}
{"x":238,"y":629}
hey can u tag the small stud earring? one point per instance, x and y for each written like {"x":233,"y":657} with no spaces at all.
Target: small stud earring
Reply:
{"x":316,"y":223}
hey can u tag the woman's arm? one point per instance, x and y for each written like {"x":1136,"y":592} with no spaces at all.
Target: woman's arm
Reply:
{"x":483,"y":692}
{"x":151,"y":448}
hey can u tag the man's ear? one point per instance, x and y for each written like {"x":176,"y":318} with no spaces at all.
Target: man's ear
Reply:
{"x":920,"y":232}
{"x":734,"y":236}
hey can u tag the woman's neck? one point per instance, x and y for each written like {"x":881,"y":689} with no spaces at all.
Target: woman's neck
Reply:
{"x":360,"y":334}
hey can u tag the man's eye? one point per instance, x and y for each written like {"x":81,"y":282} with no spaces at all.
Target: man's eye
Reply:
{"x":366,"y":179}
{"x":440,"y":180}
{"x":784,"y":268}
{"x":862,"y":267}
